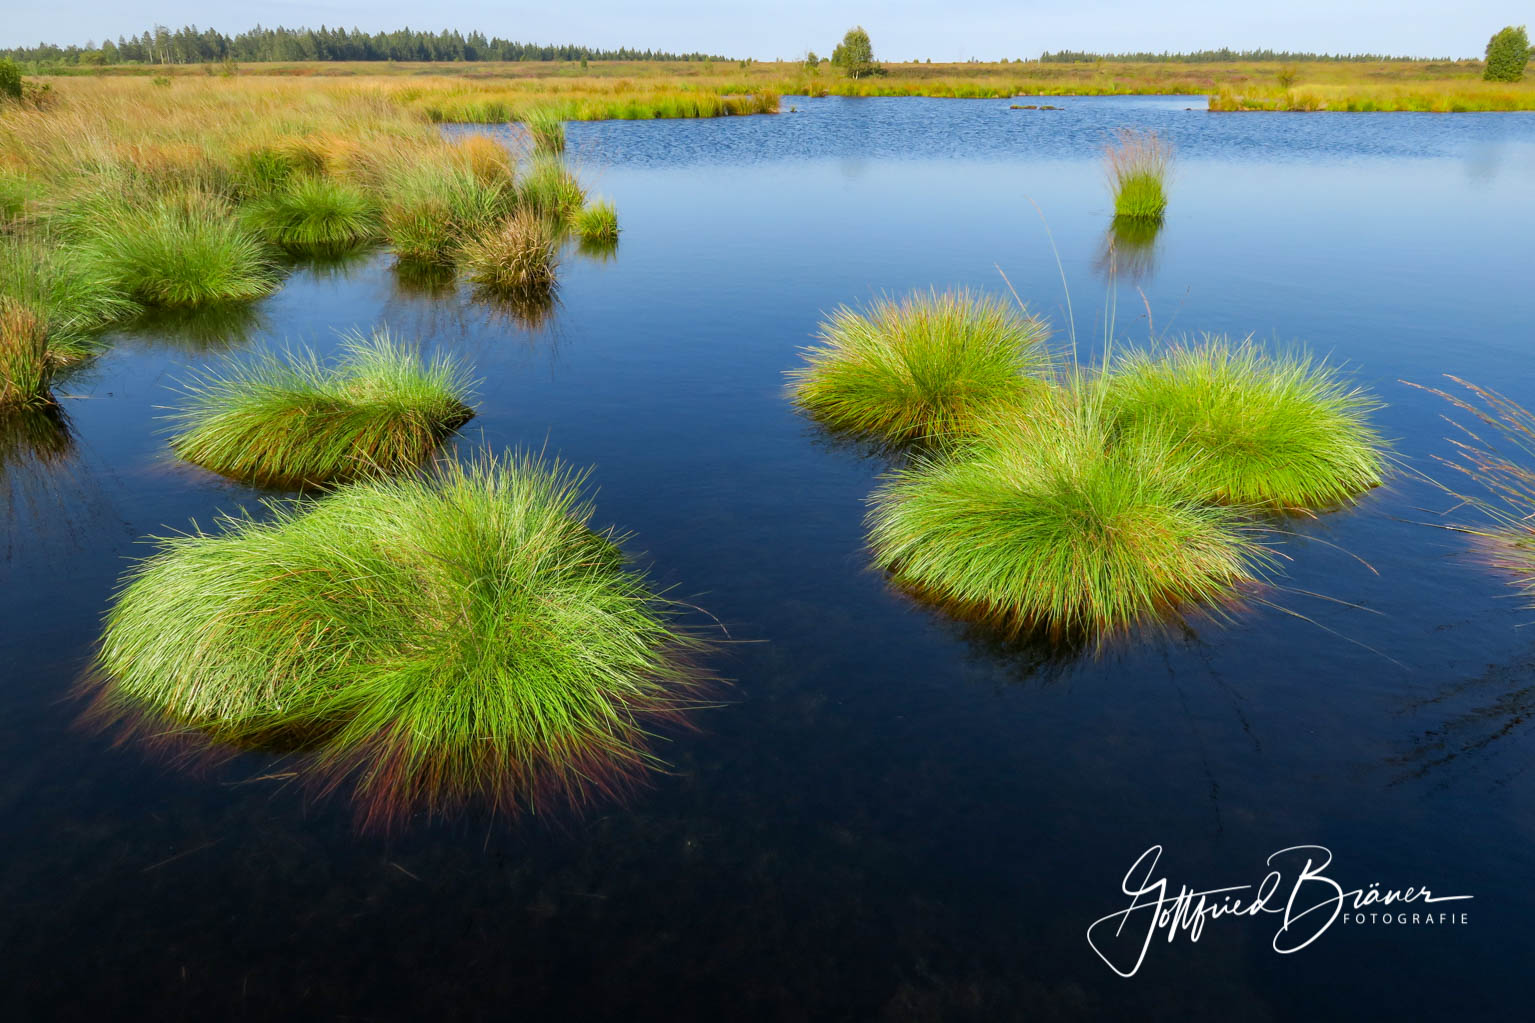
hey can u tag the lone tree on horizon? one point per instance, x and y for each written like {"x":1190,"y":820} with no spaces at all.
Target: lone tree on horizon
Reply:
{"x":855,"y":54}
{"x":1507,"y":53}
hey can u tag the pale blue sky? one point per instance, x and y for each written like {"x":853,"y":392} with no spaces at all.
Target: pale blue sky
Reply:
{"x":901,"y":30}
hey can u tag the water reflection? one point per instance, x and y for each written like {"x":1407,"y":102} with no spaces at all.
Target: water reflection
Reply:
{"x":201,"y":331}
{"x":1129,"y":249}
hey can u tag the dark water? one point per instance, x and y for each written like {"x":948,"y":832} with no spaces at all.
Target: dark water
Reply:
{"x":892,"y":817}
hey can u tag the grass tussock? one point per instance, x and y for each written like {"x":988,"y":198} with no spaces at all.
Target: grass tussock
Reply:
{"x":314,"y":215}
{"x":429,"y":642}
{"x":1282,"y":432}
{"x":26,"y":369}
{"x":179,"y":251}
{"x":597,"y":222}
{"x":928,"y":367}
{"x":432,"y":207}
{"x":551,"y":189}
{"x":546,"y":130}
{"x":1138,"y":163}
{"x":294,"y":422}
{"x":521,"y":255}
{"x":1063,"y":523}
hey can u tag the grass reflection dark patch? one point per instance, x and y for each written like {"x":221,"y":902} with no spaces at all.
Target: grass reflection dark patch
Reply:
{"x":1130,"y":248}
{"x":437,"y":641}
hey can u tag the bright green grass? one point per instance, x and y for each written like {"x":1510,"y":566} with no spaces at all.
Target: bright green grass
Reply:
{"x":178,"y":251}
{"x":26,"y":371}
{"x":433,"y":641}
{"x":521,"y":254}
{"x":73,"y":298}
{"x":551,"y":189}
{"x":1056,"y":523}
{"x":297,"y":423}
{"x":546,"y":128}
{"x":1138,"y":164}
{"x":928,"y":367}
{"x":1283,"y":432}
{"x":430,"y":209}
{"x":314,"y":214}
{"x":597,"y":222}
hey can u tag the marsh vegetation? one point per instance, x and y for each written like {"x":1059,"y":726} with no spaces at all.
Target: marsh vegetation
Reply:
{"x":464,"y":637}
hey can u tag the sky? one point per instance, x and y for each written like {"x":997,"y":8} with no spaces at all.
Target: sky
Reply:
{"x":901,"y":30}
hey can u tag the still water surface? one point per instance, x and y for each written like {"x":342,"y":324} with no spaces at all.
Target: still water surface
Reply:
{"x":891,"y":816}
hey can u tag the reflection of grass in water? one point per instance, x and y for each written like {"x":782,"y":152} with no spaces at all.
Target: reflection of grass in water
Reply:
{"x":323,"y":263}
{"x":434,"y":641}
{"x":601,"y":250}
{"x":424,"y":279}
{"x":527,"y":309}
{"x":1130,"y":248}
{"x":37,"y":465}
{"x":295,"y":423}
{"x":211,"y":328}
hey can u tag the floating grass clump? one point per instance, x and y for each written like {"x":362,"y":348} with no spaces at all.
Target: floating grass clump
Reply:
{"x":546,"y":128}
{"x":1137,"y":164}
{"x":927,"y":367}
{"x":431,"y":641}
{"x":179,"y":251}
{"x":1056,"y":522}
{"x":314,"y":214}
{"x":521,"y":255}
{"x":597,"y":222}
{"x":297,"y":423}
{"x":1282,"y":432}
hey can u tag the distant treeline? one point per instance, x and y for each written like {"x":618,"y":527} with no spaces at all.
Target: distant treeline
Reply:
{"x":1216,"y":56}
{"x":191,"y":45}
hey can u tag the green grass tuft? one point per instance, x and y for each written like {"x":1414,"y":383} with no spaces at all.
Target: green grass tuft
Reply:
{"x":521,"y":255}
{"x":597,"y":222}
{"x":546,"y":128}
{"x":1138,"y":164}
{"x":296,"y":423}
{"x":179,"y":251}
{"x":1281,"y":432}
{"x":314,"y":214}
{"x":551,"y":189}
{"x":26,"y":369}
{"x":431,"y":208}
{"x":431,"y":641}
{"x":928,"y":367}
{"x":1058,"y":523}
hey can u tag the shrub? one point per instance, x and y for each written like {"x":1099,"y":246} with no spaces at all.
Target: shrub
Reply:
{"x":928,"y":367}
{"x":1281,"y":432}
{"x":179,"y":251}
{"x":297,"y":423}
{"x":10,"y":79}
{"x":597,"y":222}
{"x":1508,"y":51}
{"x":436,"y":641}
{"x":522,"y":254}
{"x":314,"y":214}
{"x":1137,"y":165}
